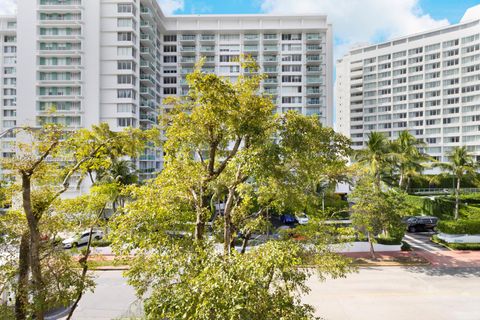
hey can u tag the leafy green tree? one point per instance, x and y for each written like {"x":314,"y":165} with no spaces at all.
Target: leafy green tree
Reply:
{"x":224,"y":142}
{"x":376,"y":156}
{"x":41,"y":182}
{"x":461,"y":165}
{"x":378,"y":212}
{"x":408,"y":159}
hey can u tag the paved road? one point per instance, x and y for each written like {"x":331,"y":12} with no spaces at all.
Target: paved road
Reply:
{"x":421,"y":240}
{"x":393,"y":293}
{"x":398,"y":293}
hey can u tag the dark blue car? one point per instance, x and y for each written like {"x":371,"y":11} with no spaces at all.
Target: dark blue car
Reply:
{"x":287,"y":219}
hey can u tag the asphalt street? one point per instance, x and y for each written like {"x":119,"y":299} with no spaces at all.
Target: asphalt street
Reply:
{"x":393,"y":293}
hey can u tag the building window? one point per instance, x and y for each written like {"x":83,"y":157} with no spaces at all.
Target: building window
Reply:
{"x":126,"y":65}
{"x":126,"y":79}
{"x":126,"y":94}
{"x":169,"y":90}
{"x":126,"y":122}
{"x":170,"y":80}
{"x":125,"y":8}
{"x":170,"y":59}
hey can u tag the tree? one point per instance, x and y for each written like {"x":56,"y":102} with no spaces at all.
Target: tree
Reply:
{"x":376,"y":211}
{"x":41,"y":182}
{"x":408,"y":158}
{"x":461,"y":166}
{"x":224,"y":142}
{"x":375,"y":156}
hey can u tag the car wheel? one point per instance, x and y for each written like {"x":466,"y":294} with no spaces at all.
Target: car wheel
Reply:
{"x":412,"y":229}
{"x":97,"y":238}
{"x":74,"y":245}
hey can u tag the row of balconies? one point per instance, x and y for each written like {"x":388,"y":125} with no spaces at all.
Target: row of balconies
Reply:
{"x":249,"y":37}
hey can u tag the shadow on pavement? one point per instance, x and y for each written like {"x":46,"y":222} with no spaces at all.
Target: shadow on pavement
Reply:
{"x":463,"y":272}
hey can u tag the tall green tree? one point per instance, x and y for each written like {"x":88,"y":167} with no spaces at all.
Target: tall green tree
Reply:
{"x":376,"y":156}
{"x":224,"y":142}
{"x":461,"y":165}
{"x":376,"y":211}
{"x":408,"y":159}
{"x":41,"y":182}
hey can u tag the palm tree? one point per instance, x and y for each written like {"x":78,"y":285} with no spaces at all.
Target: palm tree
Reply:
{"x":122,"y":172}
{"x":461,"y":165}
{"x":409,"y":158}
{"x":376,"y":155}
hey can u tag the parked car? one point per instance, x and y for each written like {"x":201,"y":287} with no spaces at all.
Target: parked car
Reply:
{"x":421,"y":223}
{"x":302,"y":218}
{"x":287,"y":219}
{"x":81,"y":239}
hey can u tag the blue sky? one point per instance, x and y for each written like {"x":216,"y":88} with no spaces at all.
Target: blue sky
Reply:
{"x":354,"y":21}
{"x":452,"y":10}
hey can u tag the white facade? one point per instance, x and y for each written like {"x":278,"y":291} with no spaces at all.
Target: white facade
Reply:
{"x":342,"y":97}
{"x":115,"y":61}
{"x":427,"y":83}
{"x":8,"y":83}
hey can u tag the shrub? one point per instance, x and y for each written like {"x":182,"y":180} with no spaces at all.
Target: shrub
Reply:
{"x":459,"y":227}
{"x":457,"y":246}
{"x":101,"y":243}
{"x":388,"y":240}
{"x":406,"y":246}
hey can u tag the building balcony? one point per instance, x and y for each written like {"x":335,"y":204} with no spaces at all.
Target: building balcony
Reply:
{"x":313,"y":37}
{"x":270,"y":48}
{"x":188,"y":60}
{"x":207,"y":49}
{"x":250,"y":49}
{"x":147,"y":78}
{"x":147,"y":93}
{"x":270,"y":81}
{"x":313,"y":47}
{"x":188,"y":37}
{"x":207,"y":38}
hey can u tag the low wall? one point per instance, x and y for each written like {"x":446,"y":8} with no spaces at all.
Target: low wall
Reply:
{"x":459,"y":238}
{"x":364,"y":247}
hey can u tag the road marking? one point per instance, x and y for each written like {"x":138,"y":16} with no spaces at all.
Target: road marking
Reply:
{"x":422,"y":245}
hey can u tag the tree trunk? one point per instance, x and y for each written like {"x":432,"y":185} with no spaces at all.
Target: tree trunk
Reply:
{"x":409,"y":180}
{"x":227,"y":223}
{"x":33,"y":221}
{"x":21,"y":295}
{"x":372,"y":250}
{"x":457,"y":197}
{"x":199,"y":225}
{"x":400,"y":183}
{"x":245,"y":242}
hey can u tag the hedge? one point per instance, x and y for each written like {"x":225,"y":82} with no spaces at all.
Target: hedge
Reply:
{"x":457,"y":246}
{"x":459,"y":227}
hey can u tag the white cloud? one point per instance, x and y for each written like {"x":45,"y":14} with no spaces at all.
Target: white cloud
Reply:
{"x":170,"y":6}
{"x":8,"y":7}
{"x":472,"y":13}
{"x":360,"y":21}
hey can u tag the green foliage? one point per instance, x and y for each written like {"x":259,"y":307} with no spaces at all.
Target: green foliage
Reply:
{"x":224,"y":144}
{"x":459,"y":226}
{"x":456,"y":246}
{"x":50,"y":278}
{"x":376,"y":211}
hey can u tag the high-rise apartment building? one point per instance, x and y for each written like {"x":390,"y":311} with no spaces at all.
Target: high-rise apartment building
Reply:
{"x":8,"y":83}
{"x":115,"y":61}
{"x":427,"y":83}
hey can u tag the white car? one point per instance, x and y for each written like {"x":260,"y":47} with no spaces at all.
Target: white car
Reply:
{"x":302,"y":218}
{"x":81,"y":239}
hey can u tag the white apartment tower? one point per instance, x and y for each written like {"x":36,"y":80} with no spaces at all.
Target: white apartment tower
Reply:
{"x":115,"y":61}
{"x":8,"y":82}
{"x":427,"y":83}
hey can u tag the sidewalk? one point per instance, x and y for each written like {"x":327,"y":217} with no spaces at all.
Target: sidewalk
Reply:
{"x":447,"y":259}
{"x":452,"y":259}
